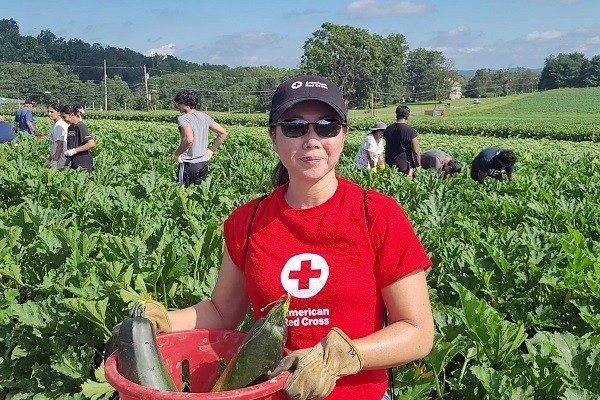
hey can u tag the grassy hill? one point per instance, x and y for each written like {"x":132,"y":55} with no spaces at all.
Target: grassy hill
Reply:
{"x":569,"y":114}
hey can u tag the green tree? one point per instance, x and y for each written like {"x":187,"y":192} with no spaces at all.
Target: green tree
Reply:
{"x":430,"y":74}
{"x":563,"y":70}
{"x":525,"y":81}
{"x":591,"y":74}
{"x":349,"y":56}
{"x":118,"y":93}
{"x":10,"y":40}
{"x":393,"y":75}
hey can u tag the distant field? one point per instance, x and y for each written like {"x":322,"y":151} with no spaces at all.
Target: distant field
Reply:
{"x":552,"y":104}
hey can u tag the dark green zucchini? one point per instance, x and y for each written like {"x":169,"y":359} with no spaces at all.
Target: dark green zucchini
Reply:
{"x":260,"y":352}
{"x":139,"y":358}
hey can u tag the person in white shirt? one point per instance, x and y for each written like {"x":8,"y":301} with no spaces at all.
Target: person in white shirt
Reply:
{"x":371,"y":151}
{"x":58,"y":138}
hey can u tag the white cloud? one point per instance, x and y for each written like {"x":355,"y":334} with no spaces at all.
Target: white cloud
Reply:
{"x":244,"y":49}
{"x":373,"y":8}
{"x":543,"y":36}
{"x":594,"y":40}
{"x":470,"y":50}
{"x":164,"y":50}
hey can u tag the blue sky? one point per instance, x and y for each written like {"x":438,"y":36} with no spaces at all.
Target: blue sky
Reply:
{"x":472,"y":33}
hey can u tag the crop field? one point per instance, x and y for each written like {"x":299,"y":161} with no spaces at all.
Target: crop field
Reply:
{"x":515,"y":284}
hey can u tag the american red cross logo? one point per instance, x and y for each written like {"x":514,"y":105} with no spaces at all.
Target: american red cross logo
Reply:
{"x":305,"y":274}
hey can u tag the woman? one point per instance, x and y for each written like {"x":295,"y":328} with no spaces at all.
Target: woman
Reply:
{"x":58,"y":137}
{"x":370,"y":153}
{"x":344,"y":254}
{"x":79,"y":140}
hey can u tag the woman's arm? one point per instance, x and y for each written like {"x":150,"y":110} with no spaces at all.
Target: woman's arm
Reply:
{"x":410,"y":333}
{"x":226,"y":307}
{"x":86,"y":146}
{"x":58,"y":152}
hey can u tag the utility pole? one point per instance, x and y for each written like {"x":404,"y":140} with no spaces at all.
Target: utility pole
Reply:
{"x":372,"y":104}
{"x":105,"y":89}
{"x":146,"y":86}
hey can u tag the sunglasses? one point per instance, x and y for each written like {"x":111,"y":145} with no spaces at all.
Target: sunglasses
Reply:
{"x":325,"y":127}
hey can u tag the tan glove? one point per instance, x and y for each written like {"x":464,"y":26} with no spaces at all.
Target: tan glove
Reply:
{"x":314,"y":371}
{"x":155,"y":312}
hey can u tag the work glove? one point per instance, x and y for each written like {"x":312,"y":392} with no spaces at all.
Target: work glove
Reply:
{"x":70,"y":152}
{"x":179,"y":158}
{"x":47,"y":163}
{"x":155,"y":312}
{"x":209,"y":153}
{"x":54,"y":164}
{"x":314,"y":371}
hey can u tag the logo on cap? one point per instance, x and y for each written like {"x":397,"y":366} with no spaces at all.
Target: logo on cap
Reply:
{"x":304,"y":275}
{"x":296,"y":85}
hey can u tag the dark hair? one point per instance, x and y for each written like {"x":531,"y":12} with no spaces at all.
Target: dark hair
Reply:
{"x":79,"y":107}
{"x":55,"y":106}
{"x":402,"y":112}
{"x":280,"y":175}
{"x":187,"y":97}
{"x":454,"y":166}
{"x":507,"y":157}
{"x":69,"y":109}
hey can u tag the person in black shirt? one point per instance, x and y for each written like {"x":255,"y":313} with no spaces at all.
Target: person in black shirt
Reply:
{"x":492,"y":161}
{"x":401,"y":144}
{"x":79,"y":140}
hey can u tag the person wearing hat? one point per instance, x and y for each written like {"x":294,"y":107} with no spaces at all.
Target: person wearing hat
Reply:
{"x":402,"y":144}
{"x":492,"y":162}
{"x":370,"y":152}
{"x":438,"y":160}
{"x":194,"y":152}
{"x":343,"y":253}
{"x":24,"y":119}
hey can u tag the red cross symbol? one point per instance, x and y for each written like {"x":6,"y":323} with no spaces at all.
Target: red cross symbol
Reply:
{"x":305,"y":274}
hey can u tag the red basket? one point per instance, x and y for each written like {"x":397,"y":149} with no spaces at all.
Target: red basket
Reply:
{"x":202,"y":349}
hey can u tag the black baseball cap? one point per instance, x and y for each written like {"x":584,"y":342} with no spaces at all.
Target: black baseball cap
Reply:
{"x":28,"y":101}
{"x":306,"y":87}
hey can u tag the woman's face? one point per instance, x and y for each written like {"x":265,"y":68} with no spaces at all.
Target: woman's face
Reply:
{"x":309,"y":157}
{"x":378,"y":134}
{"x":53,"y":114}
{"x":70,"y":118}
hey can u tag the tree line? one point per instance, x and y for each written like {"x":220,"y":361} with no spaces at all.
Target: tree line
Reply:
{"x":570,"y":70}
{"x":373,"y":70}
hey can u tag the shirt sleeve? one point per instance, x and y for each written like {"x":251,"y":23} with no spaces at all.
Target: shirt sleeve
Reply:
{"x":62,"y":133}
{"x":412,"y":133}
{"x":84,"y":134}
{"x":209,"y":120}
{"x":182,"y":120}
{"x":398,"y":250}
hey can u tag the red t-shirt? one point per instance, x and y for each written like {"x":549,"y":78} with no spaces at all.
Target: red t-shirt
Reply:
{"x":332,"y":264}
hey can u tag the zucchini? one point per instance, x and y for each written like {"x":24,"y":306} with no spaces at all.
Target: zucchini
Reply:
{"x":260,"y":352}
{"x":139,"y":358}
